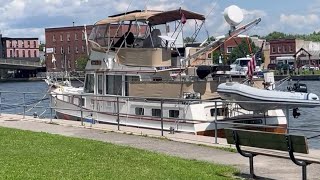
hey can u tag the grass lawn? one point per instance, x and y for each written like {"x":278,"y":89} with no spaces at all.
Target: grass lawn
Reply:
{"x":29,"y":155}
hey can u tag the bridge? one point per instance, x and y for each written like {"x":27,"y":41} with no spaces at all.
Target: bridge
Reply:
{"x":19,"y":64}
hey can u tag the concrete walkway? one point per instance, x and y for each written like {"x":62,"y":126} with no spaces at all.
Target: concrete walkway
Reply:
{"x":182,"y":145}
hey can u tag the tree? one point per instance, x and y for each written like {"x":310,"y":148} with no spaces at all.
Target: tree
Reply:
{"x":242,"y":50}
{"x":189,"y":39}
{"x":215,"y":57}
{"x":41,"y":47}
{"x":81,"y":62}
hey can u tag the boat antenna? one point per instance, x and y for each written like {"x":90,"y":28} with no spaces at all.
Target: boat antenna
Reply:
{"x":146,"y":5}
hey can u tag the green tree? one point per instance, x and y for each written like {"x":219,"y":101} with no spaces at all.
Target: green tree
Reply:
{"x":189,"y":39}
{"x":41,"y":47}
{"x":215,"y":57}
{"x":81,"y":62}
{"x":242,"y":50}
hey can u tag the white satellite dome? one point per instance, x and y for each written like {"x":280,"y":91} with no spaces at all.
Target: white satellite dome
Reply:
{"x":233,"y":15}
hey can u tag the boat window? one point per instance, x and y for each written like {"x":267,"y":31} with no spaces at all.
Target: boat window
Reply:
{"x":139,"y":111}
{"x":156,"y":112}
{"x":100,"y":84}
{"x":89,"y":84}
{"x":220,"y":112}
{"x":174,"y":113}
{"x":114,"y":84}
{"x":157,"y":79}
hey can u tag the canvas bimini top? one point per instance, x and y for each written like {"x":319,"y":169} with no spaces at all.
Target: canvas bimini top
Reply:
{"x":153,"y":17}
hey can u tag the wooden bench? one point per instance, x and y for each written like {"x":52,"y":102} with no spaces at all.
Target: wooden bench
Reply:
{"x":270,"y":144}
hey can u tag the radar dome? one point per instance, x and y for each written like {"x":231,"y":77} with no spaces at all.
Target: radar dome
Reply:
{"x":233,"y":15}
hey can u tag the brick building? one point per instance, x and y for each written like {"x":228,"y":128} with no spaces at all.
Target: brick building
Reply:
{"x":19,"y":48}
{"x":292,"y":48}
{"x":282,"y":48}
{"x":230,"y":44}
{"x":67,"y":44}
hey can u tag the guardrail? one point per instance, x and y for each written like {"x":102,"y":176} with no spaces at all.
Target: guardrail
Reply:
{"x":20,"y":62}
{"x":30,"y":100}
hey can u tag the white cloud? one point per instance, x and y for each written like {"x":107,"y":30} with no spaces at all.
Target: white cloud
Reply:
{"x":299,"y":21}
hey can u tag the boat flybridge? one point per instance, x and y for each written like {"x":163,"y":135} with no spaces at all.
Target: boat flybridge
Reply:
{"x":140,"y":69}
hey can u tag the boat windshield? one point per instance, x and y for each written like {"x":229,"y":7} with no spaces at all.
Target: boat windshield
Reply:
{"x":244,"y":62}
{"x":113,"y":34}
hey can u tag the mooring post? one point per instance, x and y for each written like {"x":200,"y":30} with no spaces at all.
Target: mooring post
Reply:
{"x":161,"y":116}
{"x":215,"y":123}
{"x":118,"y":113}
{"x":81,"y":109}
{"x":50,"y":107}
{"x":288,"y":118}
{"x":24,"y":105}
{"x":0,"y":104}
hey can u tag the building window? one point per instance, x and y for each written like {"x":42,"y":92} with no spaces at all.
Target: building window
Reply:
{"x":156,"y":112}
{"x":69,"y":64}
{"x":22,"y":44}
{"x":77,"y":50}
{"x":273,"y":49}
{"x":55,"y":50}
{"x":28,"y":43}
{"x":76,"y":36}
{"x":173,"y":113}
{"x":11,"y":53}
{"x":10,"y":42}
{"x":54,"y":38}
{"x":61,"y":50}
{"x":62,"y":64}
{"x":83,"y":49}
{"x":279,"y":49}
{"x":34,"y":53}
{"x":209,"y":56}
{"x":23,"y":53}
{"x":29,"y":53}
{"x":68,"y":37}
{"x":35,"y":44}
{"x":83,"y":38}
{"x":61,"y":37}
{"x":69,"y":50}
{"x":139,"y":111}
{"x":284,"y":49}
{"x":290,"y":48}
{"x":17,"y":53}
{"x":229,"y":49}
{"x":17,"y":45}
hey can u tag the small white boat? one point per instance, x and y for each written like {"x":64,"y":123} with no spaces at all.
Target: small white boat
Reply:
{"x":278,"y":99}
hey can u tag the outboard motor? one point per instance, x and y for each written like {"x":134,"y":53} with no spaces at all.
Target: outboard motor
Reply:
{"x":295,"y":113}
{"x":204,"y":71}
{"x":300,"y":87}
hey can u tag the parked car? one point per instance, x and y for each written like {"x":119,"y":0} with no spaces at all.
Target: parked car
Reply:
{"x":272,"y":67}
{"x":309,"y":67}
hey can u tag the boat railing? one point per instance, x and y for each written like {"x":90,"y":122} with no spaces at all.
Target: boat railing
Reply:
{"x":27,"y":102}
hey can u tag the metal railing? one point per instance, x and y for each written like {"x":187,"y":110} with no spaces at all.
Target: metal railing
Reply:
{"x":20,"y":62}
{"x":29,"y":103}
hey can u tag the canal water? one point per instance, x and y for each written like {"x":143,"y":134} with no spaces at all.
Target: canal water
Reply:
{"x":309,"y":118}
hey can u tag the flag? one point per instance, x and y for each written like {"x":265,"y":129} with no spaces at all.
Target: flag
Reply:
{"x":53,"y":59}
{"x":183,"y":17}
{"x":252,"y":63}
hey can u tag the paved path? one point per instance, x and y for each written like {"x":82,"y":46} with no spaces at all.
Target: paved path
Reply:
{"x":265,"y":167}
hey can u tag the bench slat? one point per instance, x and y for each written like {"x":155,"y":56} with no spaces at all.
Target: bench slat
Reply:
{"x":267,"y":140}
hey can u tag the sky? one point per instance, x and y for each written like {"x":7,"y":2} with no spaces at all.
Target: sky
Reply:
{"x":29,"y":18}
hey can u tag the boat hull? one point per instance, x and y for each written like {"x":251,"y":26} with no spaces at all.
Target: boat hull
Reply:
{"x":72,"y":111}
{"x":262,"y":100}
